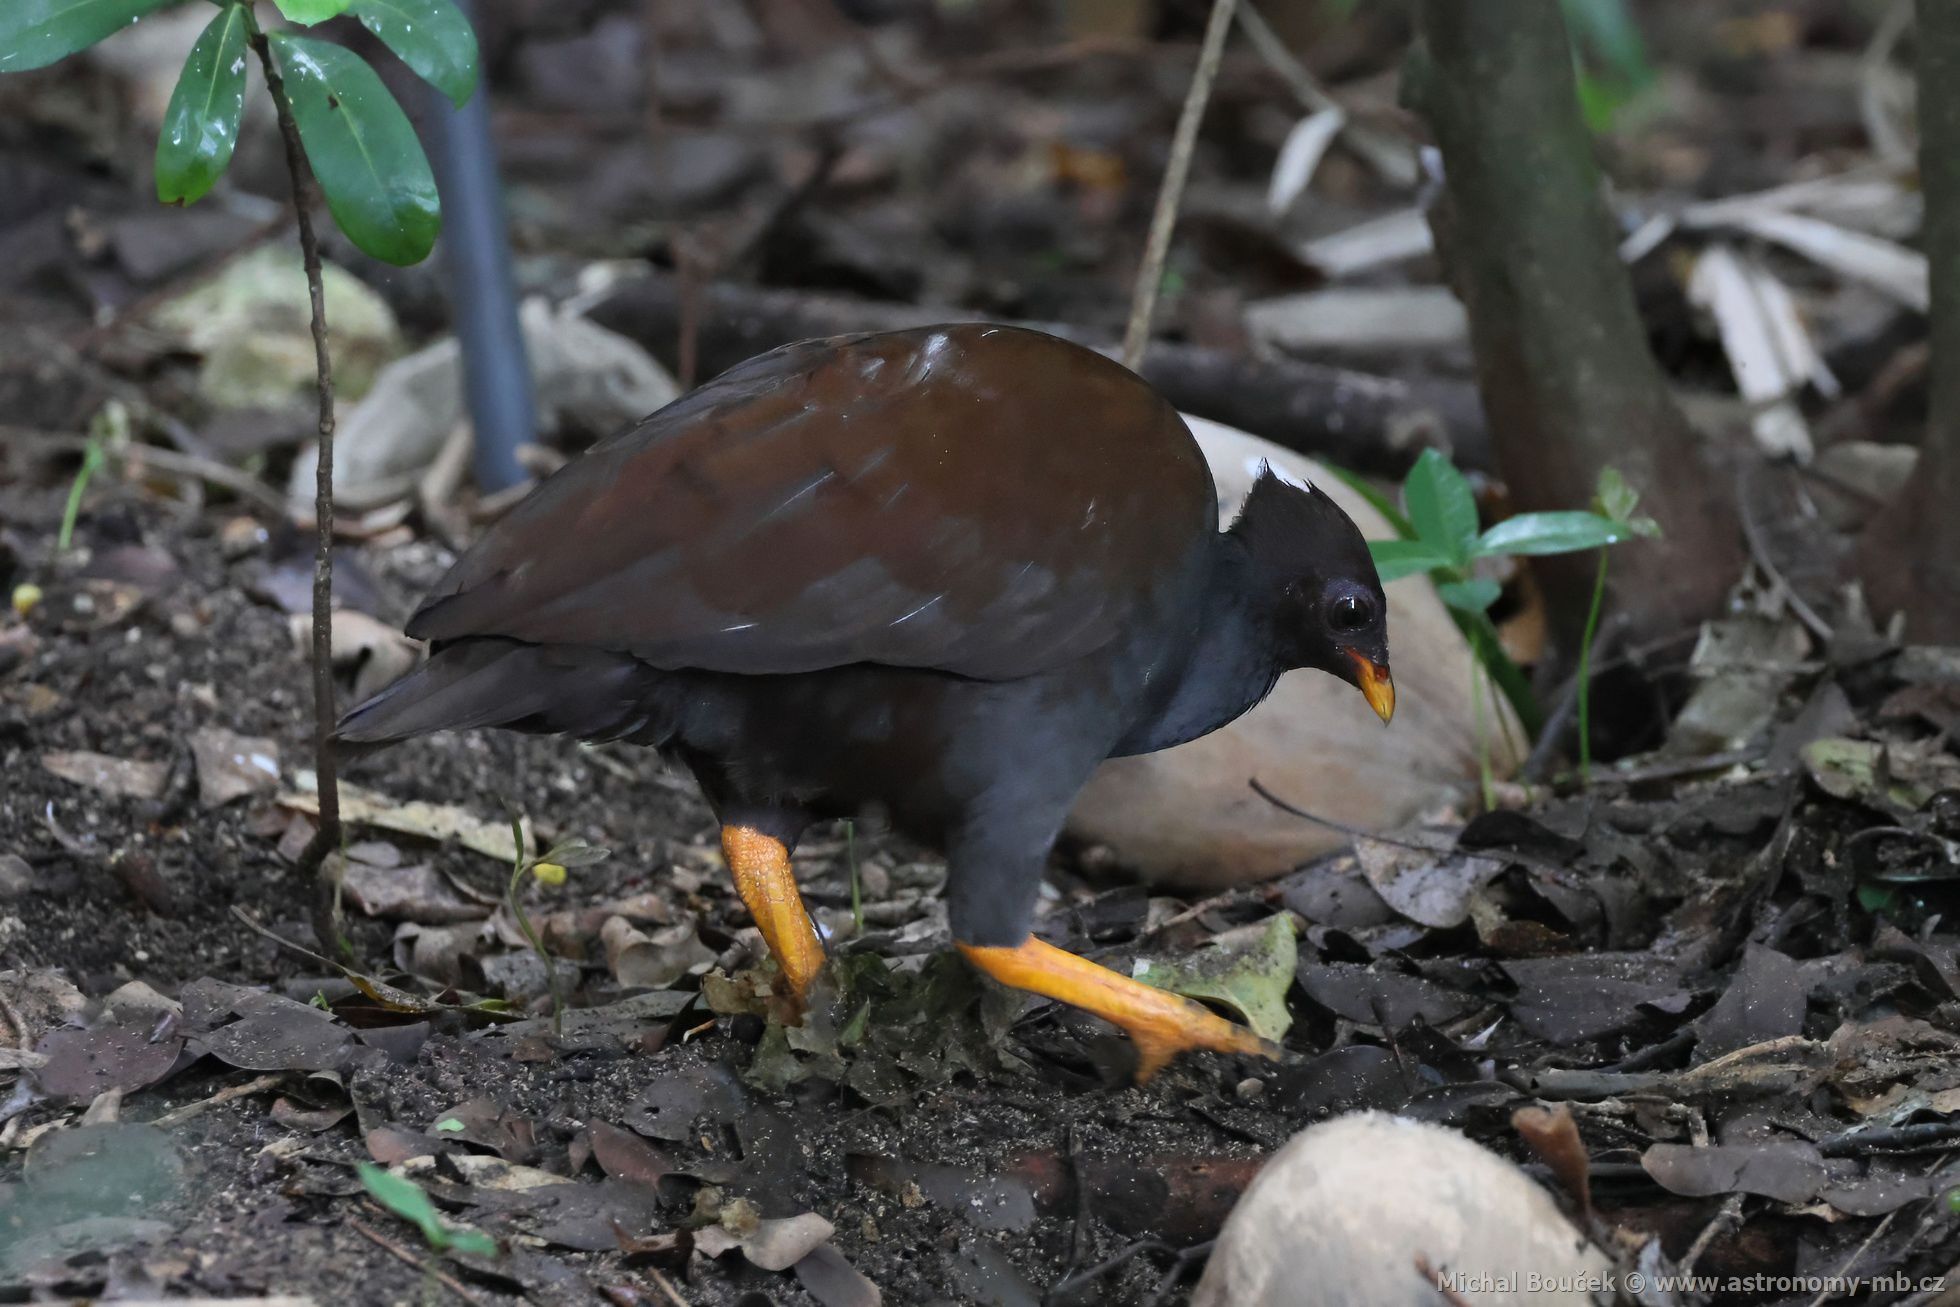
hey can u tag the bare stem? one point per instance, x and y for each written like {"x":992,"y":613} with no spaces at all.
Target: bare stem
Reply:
{"x":1585,"y":672}
{"x":313,"y":860}
{"x":1150,"y":276}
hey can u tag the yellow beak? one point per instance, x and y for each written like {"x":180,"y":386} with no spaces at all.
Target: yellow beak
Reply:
{"x":1377,"y":686}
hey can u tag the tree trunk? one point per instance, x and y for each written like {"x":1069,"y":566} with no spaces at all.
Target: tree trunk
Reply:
{"x":1911,"y":557}
{"x":1568,"y":384}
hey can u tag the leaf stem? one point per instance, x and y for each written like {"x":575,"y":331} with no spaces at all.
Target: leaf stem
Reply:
{"x":313,"y":859}
{"x":1585,"y":672}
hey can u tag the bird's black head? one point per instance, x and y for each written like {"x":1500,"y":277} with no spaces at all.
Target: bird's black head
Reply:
{"x":1310,"y":562}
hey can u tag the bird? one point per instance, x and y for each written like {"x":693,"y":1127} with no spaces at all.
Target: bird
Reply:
{"x":944,"y":573}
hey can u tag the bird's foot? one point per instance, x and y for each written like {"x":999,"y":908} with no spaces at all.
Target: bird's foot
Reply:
{"x":1159,"y":1023}
{"x":760,"y":865}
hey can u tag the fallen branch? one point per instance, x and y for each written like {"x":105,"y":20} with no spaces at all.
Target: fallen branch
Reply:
{"x":1371,"y":423}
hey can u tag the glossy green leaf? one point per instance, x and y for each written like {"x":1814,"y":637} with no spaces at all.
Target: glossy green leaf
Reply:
{"x":1395,"y":559}
{"x":406,"y":1199}
{"x":1473,"y":596}
{"x":362,"y":149}
{"x":308,"y":12}
{"x":1441,"y":507}
{"x":430,"y":36}
{"x":1551,"y":533}
{"x":35,"y":33}
{"x":201,"y":125}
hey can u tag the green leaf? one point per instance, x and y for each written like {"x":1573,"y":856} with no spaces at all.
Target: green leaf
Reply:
{"x":1473,"y":596}
{"x":1395,"y":559}
{"x":362,"y":149}
{"x":576,"y":853}
{"x":1551,"y":533}
{"x":430,"y":36}
{"x":1251,"y":978}
{"x":35,"y":33}
{"x":1441,"y":507}
{"x":308,"y":12}
{"x":201,"y":125}
{"x":1613,"y":497}
{"x":1605,"y":29}
{"x":1510,"y":678}
{"x":405,"y":1199}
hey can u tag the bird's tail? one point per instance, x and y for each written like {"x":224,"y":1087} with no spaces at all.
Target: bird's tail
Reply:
{"x":487,"y":681}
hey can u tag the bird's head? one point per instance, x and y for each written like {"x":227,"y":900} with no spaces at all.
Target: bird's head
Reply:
{"x":1311,"y":564}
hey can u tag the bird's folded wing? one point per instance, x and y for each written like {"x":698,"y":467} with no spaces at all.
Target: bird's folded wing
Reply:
{"x":989,"y":506}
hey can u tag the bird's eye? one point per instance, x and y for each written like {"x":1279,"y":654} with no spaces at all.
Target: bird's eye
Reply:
{"x":1350,"y":613}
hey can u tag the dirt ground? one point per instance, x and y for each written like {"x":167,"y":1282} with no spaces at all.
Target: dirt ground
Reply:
{"x":1729,"y":961}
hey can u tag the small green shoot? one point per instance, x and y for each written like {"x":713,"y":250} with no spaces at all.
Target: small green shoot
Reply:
{"x":857,"y":892}
{"x":1442,"y":539}
{"x":406,"y":1199}
{"x":449,"y":1125}
{"x":109,"y":428}
{"x":549,"y":869}
{"x":1615,"y":501}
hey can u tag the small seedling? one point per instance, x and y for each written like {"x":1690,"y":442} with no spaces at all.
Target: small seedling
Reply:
{"x":406,"y":1199}
{"x":548,"y":869}
{"x":1441,"y":538}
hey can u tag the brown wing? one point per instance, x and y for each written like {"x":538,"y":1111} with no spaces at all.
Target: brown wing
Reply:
{"x":982,"y":500}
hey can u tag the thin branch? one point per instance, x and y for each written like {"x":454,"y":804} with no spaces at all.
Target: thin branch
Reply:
{"x":1150,"y":276}
{"x":313,"y":860}
{"x":170,"y":462}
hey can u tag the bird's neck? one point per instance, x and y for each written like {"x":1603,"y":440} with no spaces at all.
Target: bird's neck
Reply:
{"x":1233,"y":659}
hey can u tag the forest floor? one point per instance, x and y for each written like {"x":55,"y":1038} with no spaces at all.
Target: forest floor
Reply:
{"x":1730,"y":957}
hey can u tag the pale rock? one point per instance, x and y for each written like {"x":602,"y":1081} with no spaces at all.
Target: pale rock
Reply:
{"x":1352,"y":1209}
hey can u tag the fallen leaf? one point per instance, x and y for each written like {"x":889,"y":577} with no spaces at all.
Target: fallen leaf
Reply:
{"x":441,"y":822}
{"x":834,"y":1282}
{"x":419,"y":893}
{"x":1430,"y":888}
{"x":125,"y":777}
{"x":1586,"y":995}
{"x":641,"y":961}
{"x":231,"y":766}
{"x":773,"y":1245}
{"x":1553,"y":1135}
{"x":1252,"y":979}
{"x":1790,"y":1171}
{"x":625,"y":1156}
{"x":1763,"y":1000}
{"x":117,"y":1055}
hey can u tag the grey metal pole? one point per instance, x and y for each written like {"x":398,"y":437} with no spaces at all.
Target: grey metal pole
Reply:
{"x":482,"y":289}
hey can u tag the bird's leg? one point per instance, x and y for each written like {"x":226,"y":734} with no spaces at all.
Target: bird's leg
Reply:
{"x":760,"y":865}
{"x":1159,"y":1023}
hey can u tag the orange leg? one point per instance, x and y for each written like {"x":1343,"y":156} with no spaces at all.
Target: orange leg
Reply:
{"x":760,"y":865}
{"x":1160,"y":1024}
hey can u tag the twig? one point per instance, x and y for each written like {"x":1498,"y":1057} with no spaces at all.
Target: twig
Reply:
{"x":399,"y":1253}
{"x":1723,"y":1218}
{"x":12,"y":1018}
{"x":168,"y":461}
{"x":666,"y":1287}
{"x":1143,"y":300}
{"x":178,"y":1115}
{"x":1436,"y":1282}
{"x":1826,"y":1293}
{"x":313,"y":859}
{"x":1752,"y":532}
